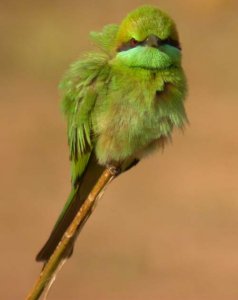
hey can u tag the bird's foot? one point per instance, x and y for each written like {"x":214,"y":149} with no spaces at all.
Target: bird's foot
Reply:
{"x":114,"y":169}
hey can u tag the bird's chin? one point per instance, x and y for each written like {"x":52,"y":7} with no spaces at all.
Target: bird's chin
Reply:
{"x":145,"y":57}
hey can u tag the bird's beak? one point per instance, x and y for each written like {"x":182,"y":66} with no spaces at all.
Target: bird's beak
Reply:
{"x":152,"y":41}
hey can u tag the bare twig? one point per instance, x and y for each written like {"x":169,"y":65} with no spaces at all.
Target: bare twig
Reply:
{"x":47,"y":274}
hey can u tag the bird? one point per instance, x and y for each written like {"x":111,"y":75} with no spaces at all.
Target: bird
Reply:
{"x":121,"y":102}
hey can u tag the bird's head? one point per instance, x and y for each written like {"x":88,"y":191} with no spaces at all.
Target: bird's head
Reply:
{"x":147,"y":38}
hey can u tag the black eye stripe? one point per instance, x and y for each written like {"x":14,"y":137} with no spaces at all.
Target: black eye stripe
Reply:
{"x":132,"y":43}
{"x":171,"y":42}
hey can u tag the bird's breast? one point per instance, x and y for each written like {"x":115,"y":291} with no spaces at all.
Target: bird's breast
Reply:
{"x":133,"y":112}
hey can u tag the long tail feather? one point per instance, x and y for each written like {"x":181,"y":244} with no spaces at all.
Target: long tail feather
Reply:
{"x":76,"y":198}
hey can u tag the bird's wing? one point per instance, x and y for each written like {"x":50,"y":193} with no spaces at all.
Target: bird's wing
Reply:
{"x":80,"y":94}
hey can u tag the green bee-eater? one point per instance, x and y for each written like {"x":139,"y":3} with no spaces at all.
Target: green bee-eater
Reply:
{"x":120,"y":103}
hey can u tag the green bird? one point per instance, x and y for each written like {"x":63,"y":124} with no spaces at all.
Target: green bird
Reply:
{"x":120,"y":103}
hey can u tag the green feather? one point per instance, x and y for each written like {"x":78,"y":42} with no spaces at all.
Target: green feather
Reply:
{"x":79,"y":99}
{"x":120,"y":103}
{"x":105,"y":39}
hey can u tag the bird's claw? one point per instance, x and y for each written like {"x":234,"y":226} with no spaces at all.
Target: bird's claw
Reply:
{"x":114,"y":170}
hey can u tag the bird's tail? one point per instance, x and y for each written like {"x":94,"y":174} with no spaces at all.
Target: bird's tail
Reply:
{"x":76,"y":199}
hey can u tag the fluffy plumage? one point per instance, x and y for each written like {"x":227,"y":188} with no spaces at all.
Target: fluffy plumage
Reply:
{"x":120,"y":102}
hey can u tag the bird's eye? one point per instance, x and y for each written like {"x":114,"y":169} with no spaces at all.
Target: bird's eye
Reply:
{"x":133,"y":42}
{"x":172,"y":42}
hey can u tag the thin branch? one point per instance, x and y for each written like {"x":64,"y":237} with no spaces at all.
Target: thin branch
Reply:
{"x":51,"y":266}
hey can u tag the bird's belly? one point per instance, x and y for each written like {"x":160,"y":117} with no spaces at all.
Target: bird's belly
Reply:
{"x":129,"y":119}
{"x":128,"y":133}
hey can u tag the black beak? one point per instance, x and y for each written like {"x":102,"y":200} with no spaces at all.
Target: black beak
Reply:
{"x":153,"y":41}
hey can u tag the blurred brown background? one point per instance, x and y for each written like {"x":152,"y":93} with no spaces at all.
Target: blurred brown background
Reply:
{"x":166,"y":230}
